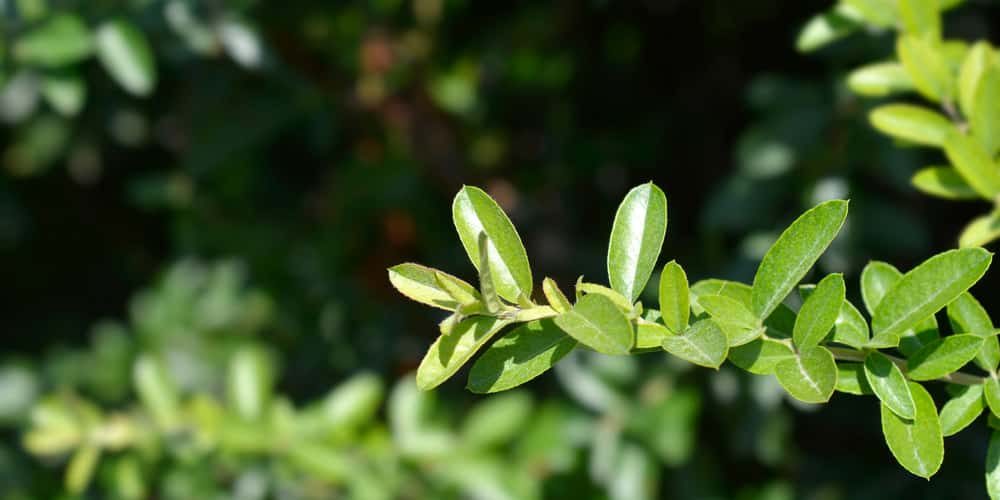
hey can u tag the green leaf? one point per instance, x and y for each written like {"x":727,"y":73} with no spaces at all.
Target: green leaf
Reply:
{"x":487,"y":286}
{"x":943,"y":356}
{"x":943,"y":182}
{"x":928,"y":288}
{"x":991,"y":393}
{"x":250,"y":382}
{"x":825,"y":28}
{"x":157,"y":391}
{"x":977,"y":59}
{"x":703,"y":344}
{"x":911,"y":123}
{"x":521,"y":355}
{"x":674,"y":297}
{"x":649,"y":335}
{"x":850,"y":328}
{"x":60,"y":41}
{"x":781,"y":321}
{"x":554,"y":295}
{"x":596,"y":322}
{"x":636,"y":238}
{"x":474,"y":212}
{"x":985,"y":114}
{"x":876,"y":279}
{"x":927,"y":67}
{"x":794,"y":253}
{"x":966,"y":315}
{"x":65,"y":91}
{"x":618,"y":299}
{"x":973,"y":163}
{"x":127,"y":56}
{"x":993,"y":466}
{"x":962,"y":409}
{"x":760,"y":356}
{"x":81,"y":468}
{"x":459,"y":290}
{"x":889,"y":384}
{"x":881,"y":13}
{"x":819,"y":312}
{"x":419,"y":283}
{"x":980,"y":231}
{"x":725,"y":310}
{"x":921,"y":18}
{"x":496,"y":420}
{"x":851,"y":379}
{"x":879,"y":80}
{"x":449,"y":352}
{"x":916,"y":443}
{"x":809,"y":377}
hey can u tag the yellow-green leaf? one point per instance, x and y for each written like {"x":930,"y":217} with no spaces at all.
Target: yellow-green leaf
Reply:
{"x":984,"y":117}
{"x":598,"y":323}
{"x":636,"y":238}
{"x":419,"y":283}
{"x":557,"y":300}
{"x":981,"y":231}
{"x":911,"y":123}
{"x":703,"y":344}
{"x":943,"y":182}
{"x":674,"y":297}
{"x":449,"y":352}
{"x":851,"y":379}
{"x":879,"y":79}
{"x":927,"y":66}
{"x":973,"y":163}
{"x":921,"y":18}
{"x":521,"y":355}
{"x":977,"y":59}
{"x":962,"y":409}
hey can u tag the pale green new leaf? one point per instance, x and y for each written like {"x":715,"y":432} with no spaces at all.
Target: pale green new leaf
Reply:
{"x":943,"y":356}
{"x":809,"y":377}
{"x":420,"y":284}
{"x":557,"y":300}
{"x":980,"y":231}
{"x":881,"y":13}
{"x":674,"y":297}
{"x":760,"y":356}
{"x":977,"y":59}
{"x":598,"y":323}
{"x":636,"y":238}
{"x":927,"y":67}
{"x":487,"y":285}
{"x":943,"y":182}
{"x":916,"y":443}
{"x":985,"y":114}
{"x":973,"y":163}
{"x":618,"y":299}
{"x":449,"y":352}
{"x":962,"y":409}
{"x":703,"y":344}
{"x":475,"y":212}
{"x":889,"y":384}
{"x":967,"y":315}
{"x":819,"y":312}
{"x":928,"y":288}
{"x":794,"y":253}
{"x":127,"y":56}
{"x":879,"y":79}
{"x":851,"y":379}
{"x":457,"y":289}
{"x":521,"y":355}
{"x":921,"y":18}
{"x":649,"y":335}
{"x":991,"y":393}
{"x":911,"y":123}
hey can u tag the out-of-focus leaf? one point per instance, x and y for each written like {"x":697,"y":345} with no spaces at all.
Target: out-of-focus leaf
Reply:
{"x":496,"y":420}
{"x":879,"y":79}
{"x":60,"y":41}
{"x":921,"y":18}
{"x":980,"y":231}
{"x":811,"y":376}
{"x":157,"y":391}
{"x":81,"y":468}
{"x":925,"y":63}
{"x":881,"y":13}
{"x":911,"y":123}
{"x":449,"y":352}
{"x":825,"y":28}
{"x":65,"y":92}
{"x":598,"y":323}
{"x":993,"y":466}
{"x":943,"y":182}
{"x":521,"y":355}
{"x":250,"y":382}
{"x":126,"y":55}
{"x":973,"y":163}
{"x":985,"y":113}
{"x":636,"y":239}
{"x":916,"y":443}
{"x":977,"y":59}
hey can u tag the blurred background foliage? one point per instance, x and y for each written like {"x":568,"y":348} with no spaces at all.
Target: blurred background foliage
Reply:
{"x":199,"y":200}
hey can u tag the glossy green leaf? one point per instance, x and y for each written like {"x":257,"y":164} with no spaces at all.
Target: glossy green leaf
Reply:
{"x":916,"y":443}
{"x":60,"y":41}
{"x":618,"y":299}
{"x":851,"y":379}
{"x":943,"y":356}
{"x":943,"y":182}
{"x":449,"y":352}
{"x":557,"y":300}
{"x":985,"y":114}
{"x":725,"y":310}
{"x":598,"y":323}
{"x":760,"y":356}
{"x":889,"y":384}
{"x":980,"y":231}
{"x":967,"y":315}
{"x":928,"y":288}
{"x":703,"y":344}
{"x":850,"y":328}
{"x":921,"y":18}
{"x":126,"y":55}
{"x":487,"y":285}
{"x":911,"y":123}
{"x":65,"y":91}
{"x":636,"y":239}
{"x":420,"y":284}
{"x":650,"y":335}
{"x":474,"y":212}
{"x":962,"y":409}
{"x":991,"y":393}
{"x":993,"y":466}
{"x":457,"y":289}
{"x":825,"y":28}
{"x":876,"y":279}
{"x":977,"y":59}
{"x":521,"y":355}
{"x":674,"y":297}
{"x":879,"y":80}
{"x":927,"y":67}
{"x":794,"y":253}
{"x":809,"y":377}
{"x":819,"y":312}
{"x":973,"y":163}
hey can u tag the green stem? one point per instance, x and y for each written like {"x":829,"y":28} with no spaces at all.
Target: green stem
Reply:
{"x":847,"y":354}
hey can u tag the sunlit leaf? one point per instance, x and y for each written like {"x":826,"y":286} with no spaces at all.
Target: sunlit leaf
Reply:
{"x":703,"y":344}
{"x":889,"y":384}
{"x":598,"y":323}
{"x":916,"y":443}
{"x":811,"y":376}
{"x":943,"y":182}
{"x":126,"y":55}
{"x":674,"y":297}
{"x":973,"y":163}
{"x":980,"y":231}
{"x":962,"y":409}
{"x":927,"y":67}
{"x":636,"y":238}
{"x":967,"y":315}
{"x":824,"y":28}
{"x":879,"y":79}
{"x":421,"y":284}
{"x":760,"y":356}
{"x":557,"y":300}
{"x":449,"y":352}
{"x":521,"y":355}
{"x":911,"y":123}
{"x":819,"y":312}
{"x":943,"y":356}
